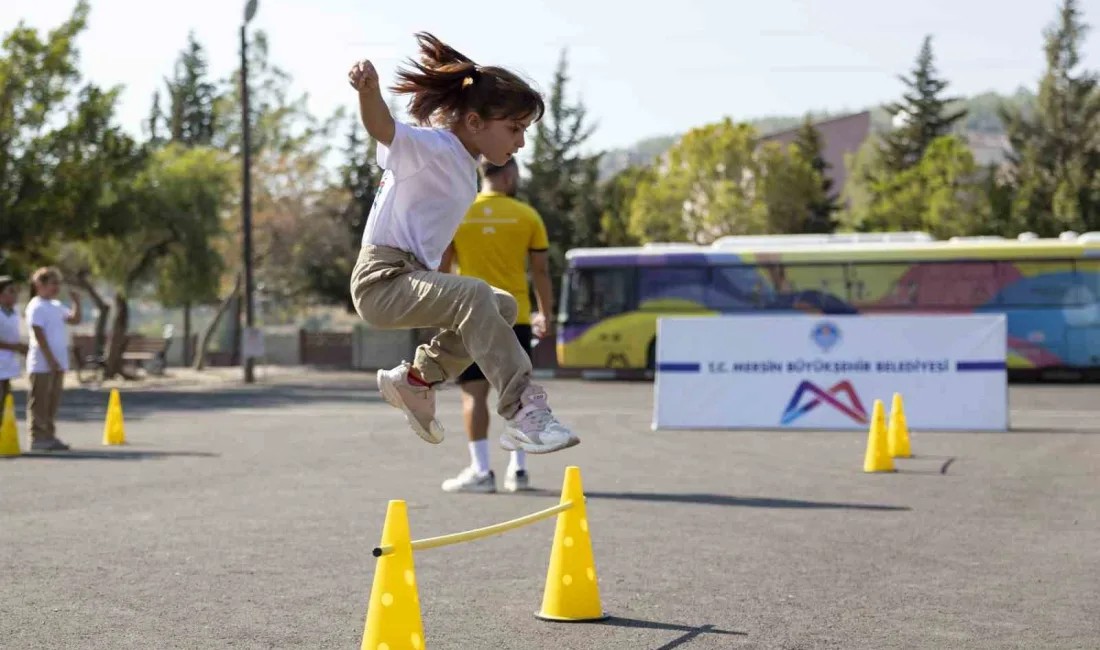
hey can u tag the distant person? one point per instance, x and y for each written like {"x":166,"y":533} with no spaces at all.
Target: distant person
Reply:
{"x":494,"y":243}
{"x":48,"y":357}
{"x":11,"y":348}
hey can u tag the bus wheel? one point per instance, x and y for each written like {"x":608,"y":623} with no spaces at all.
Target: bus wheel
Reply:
{"x":651,"y":356}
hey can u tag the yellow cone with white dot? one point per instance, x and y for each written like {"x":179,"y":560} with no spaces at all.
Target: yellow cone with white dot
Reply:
{"x":9,"y":435}
{"x":572,"y":591}
{"x":393,"y":616}
{"x":114,"y":430}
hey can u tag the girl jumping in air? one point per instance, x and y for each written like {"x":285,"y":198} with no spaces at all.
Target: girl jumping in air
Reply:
{"x":463,"y":111}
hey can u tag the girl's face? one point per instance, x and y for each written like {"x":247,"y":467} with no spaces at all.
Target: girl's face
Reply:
{"x":497,"y":140}
{"x":8,"y":296}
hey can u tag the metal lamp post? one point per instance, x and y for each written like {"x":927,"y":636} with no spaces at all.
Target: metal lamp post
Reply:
{"x":246,"y":198}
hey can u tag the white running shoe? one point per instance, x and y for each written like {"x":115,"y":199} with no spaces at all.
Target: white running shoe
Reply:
{"x":468,"y":480}
{"x":418,"y":402}
{"x":517,"y":481}
{"x":534,"y":429}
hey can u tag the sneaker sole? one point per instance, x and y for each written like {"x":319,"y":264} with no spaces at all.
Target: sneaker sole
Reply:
{"x":393,"y":398}
{"x":509,"y":443}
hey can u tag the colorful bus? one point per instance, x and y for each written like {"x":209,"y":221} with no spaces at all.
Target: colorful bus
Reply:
{"x":1048,"y":288}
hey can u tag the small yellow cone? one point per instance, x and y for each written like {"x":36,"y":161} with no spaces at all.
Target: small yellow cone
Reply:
{"x":393,"y":616}
{"x":9,"y":434}
{"x":114,"y":431}
{"x":572,"y":591}
{"x":899,"y":430}
{"x":877,"y":458}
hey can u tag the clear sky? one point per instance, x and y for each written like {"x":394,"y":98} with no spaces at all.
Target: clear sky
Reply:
{"x":642,"y":68}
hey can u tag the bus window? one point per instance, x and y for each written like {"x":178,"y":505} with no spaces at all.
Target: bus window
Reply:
{"x":1088,"y":274}
{"x":1038,"y":283}
{"x":882,"y":286}
{"x":808,"y":278}
{"x":594,"y":294}
{"x":956,"y":284}
{"x":676,"y":283}
{"x":735,"y":288}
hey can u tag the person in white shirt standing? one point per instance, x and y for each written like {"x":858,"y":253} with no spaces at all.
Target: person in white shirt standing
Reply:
{"x":47,"y":357}
{"x":11,"y":348}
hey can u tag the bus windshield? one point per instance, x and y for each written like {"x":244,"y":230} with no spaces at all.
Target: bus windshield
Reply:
{"x":590,"y":295}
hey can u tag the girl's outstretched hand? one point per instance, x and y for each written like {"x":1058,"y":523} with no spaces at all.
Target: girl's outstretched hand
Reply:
{"x":363,"y":77}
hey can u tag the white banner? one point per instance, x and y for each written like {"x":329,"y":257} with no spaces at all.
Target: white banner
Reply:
{"x":824,"y":372}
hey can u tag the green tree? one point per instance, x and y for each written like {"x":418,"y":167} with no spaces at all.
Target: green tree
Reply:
{"x":923,"y":114}
{"x":193,"y":274}
{"x":705,"y":188}
{"x":616,"y":200}
{"x":790,"y":188}
{"x":64,"y":164}
{"x":823,"y":205}
{"x":562,"y":181}
{"x":942,"y":194}
{"x":1056,"y":149}
{"x":179,"y":197}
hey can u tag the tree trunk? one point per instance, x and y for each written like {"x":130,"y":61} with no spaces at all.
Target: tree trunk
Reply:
{"x":186,"y":334}
{"x":103,"y":309}
{"x":200,"y":356}
{"x":118,"y":337}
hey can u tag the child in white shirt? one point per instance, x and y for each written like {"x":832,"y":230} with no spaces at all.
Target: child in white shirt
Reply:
{"x":47,"y":357}
{"x":11,"y":348}
{"x":429,"y":182}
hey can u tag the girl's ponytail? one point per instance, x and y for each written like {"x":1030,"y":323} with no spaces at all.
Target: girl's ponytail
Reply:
{"x":446,"y":83}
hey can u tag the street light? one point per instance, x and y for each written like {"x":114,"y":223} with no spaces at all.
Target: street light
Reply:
{"x":246,"y":198}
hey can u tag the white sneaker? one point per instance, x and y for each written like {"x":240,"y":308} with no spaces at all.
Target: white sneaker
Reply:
{"x":534,"y":429}
{"x":418,"y":402}
{"x":468,"y":480}
{"x":517,"y":481}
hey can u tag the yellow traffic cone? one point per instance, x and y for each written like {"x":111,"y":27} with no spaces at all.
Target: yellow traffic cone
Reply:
{"x":572,"y":592}
{"x":877,"y":458}
{"x":899,"y":430}
{"x":393,"y":616}
{"x":9,"y":434}
{"x":114,"y":431}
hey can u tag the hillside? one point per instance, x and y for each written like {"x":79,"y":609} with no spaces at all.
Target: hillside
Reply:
{"x":982,"y":117}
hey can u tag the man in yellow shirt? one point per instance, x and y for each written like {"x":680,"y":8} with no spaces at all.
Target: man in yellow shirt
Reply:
{"x":495,"y":242}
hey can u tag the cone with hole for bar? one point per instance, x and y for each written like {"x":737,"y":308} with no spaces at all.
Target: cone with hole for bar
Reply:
{"x":572,"y":592}
{"x":393,"y":615}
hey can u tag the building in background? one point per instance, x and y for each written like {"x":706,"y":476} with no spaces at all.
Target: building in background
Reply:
{"x":840,"y":136}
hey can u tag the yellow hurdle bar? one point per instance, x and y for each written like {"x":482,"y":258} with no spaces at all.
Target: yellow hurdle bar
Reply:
{"x":465,"y":536}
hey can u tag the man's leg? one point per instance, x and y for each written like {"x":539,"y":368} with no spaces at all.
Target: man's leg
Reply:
{"x":478,"y":476}
{"x":57,"y":386}
{"x":516,"y":477}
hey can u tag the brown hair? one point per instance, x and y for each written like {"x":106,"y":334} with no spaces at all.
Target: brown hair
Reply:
{"x":446,"y":84}
{"x":45,"y":274}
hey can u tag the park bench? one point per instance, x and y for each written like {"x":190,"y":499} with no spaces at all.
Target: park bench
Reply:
{"x":147,"y":352}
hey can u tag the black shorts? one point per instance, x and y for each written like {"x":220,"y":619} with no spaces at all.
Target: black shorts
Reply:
{"x":473,"y":373}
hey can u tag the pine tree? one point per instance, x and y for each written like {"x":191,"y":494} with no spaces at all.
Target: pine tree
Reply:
{"x":191,"y":115}
{"x":1056,"y":147}
{"x":922,"y":113}
{"x":562,"y":183}
{"x":809,"y":145}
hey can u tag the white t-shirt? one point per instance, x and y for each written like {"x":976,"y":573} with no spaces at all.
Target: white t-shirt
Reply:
{"x":50,"y":315}
{"x":11,"y":365}
{"x":429,"y":183}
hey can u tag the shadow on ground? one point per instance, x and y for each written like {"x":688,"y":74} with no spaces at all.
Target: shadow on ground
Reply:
{"x":690,"y":632}
{"x":91,"y":454}
{"x":723,"y":500}
{"x":83,"y":404}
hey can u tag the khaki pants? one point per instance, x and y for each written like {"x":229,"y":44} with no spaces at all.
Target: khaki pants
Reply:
{"x":393,"y":290}
{"x":42,"y":401}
